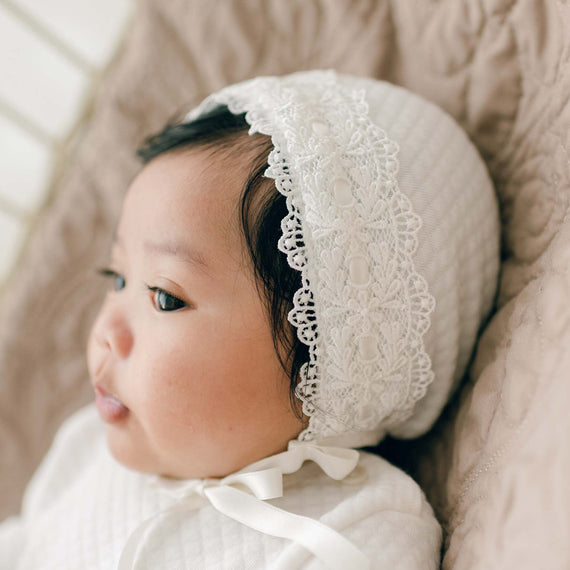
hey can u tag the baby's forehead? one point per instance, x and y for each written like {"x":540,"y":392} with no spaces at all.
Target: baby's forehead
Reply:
{"x":195,"y":191}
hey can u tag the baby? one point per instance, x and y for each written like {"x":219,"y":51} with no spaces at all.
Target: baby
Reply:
{"x":300,"y":268}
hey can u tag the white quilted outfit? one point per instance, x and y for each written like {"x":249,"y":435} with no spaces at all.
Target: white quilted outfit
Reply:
{"x":393,"y":227}
{"x":82,"y":507}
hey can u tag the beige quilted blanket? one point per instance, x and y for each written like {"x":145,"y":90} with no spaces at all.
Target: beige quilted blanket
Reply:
{"x":496,"y":467}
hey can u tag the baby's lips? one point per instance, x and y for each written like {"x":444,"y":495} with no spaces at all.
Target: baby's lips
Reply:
{"x":110,"y":408}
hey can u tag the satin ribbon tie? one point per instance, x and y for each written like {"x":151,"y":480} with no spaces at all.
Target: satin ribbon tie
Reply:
{"x":241,"y":497}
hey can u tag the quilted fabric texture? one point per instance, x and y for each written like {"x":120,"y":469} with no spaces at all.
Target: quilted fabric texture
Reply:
{"x":494,"y":467}
{"x":370,"y":508}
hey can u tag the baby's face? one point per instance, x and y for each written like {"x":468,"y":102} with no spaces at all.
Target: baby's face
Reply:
{"x":186,"y":377}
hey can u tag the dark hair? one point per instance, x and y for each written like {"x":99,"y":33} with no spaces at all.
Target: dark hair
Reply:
{"x":262,"y":208}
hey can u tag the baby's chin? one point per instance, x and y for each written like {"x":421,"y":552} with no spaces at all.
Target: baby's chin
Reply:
{"x":121,"y":447}
{"x":131,"y":452}
{"x":137,"y":457}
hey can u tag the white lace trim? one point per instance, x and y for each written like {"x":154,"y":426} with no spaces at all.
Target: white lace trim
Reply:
{"x":363,"y":308}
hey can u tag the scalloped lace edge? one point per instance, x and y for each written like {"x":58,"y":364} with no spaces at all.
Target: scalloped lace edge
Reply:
{"x":293,"y":243}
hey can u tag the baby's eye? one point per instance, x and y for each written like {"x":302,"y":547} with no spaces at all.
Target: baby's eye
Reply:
{"x":166,"y":302}
{"x":118,"y":280}
{"x":163,"y":301}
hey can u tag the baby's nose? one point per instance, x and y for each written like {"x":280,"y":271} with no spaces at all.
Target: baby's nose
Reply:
{"x":112,"y":331}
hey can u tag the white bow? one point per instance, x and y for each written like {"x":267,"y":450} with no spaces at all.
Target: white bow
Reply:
{"x":241,"y":497}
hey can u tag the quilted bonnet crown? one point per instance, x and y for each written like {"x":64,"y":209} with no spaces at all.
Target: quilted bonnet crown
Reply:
{"x":393,"y":225}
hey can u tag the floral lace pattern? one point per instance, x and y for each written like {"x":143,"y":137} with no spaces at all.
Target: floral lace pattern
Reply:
{"x":362,"y":309}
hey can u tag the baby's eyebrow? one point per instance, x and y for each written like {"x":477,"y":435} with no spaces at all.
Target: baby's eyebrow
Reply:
{"x":173,"y":248}
{"x":179,"y":250}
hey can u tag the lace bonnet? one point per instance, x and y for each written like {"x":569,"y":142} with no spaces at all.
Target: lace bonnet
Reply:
{"x":393,"y":226}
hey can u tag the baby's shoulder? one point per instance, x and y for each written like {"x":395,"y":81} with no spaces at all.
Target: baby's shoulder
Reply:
{"x":378,"y":507}
{"x":375,"y":486}
{"x":387,"y":484}
{"x":393,"y":522}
